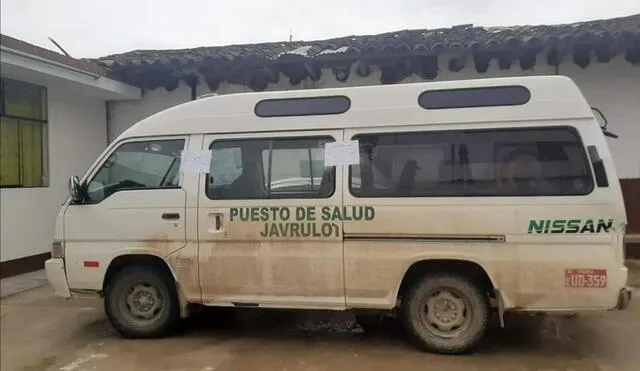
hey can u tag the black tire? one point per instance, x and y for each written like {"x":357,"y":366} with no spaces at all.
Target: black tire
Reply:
{"x":141,"y":283}
{"x":431,"y":337}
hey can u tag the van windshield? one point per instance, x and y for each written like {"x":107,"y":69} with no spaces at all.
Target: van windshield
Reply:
{"x":148,"y":164}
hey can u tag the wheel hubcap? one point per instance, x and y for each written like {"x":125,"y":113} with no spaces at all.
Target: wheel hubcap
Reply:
{"x":445,"y":312}
{"x":143,"y":302}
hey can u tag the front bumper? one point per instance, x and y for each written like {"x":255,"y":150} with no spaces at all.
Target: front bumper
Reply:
{"x":57,"y":277}
{"x":624,"y":298}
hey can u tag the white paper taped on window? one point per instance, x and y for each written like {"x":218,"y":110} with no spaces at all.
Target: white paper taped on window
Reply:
{"x":195,"y":162}
{"x":342,"y":153}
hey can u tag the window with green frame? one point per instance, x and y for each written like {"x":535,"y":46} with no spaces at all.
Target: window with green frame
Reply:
{"x":23,"y":135}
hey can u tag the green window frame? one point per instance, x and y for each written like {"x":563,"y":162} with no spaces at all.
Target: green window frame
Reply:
{"x":23,"y":135}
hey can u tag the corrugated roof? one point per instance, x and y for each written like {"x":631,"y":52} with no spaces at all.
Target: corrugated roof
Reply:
{"x":422,"y":41}
{"x":151,"y":68}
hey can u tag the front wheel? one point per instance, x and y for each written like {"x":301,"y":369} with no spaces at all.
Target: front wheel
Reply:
{"x":446,"y":313}
{"x":141,"y":302}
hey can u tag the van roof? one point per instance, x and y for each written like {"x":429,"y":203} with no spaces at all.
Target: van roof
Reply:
{"x":551,"y":98}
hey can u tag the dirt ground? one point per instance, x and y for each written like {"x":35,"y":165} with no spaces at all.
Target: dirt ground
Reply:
{"x":40,"y":332}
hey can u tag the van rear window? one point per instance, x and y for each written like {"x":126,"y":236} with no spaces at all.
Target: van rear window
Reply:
{"x":501,"y":162}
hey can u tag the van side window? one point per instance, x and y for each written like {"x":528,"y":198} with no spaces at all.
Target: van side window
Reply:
{"x":500,"y":162}
{"x":136,"y":165}
{"x":270,"y":169}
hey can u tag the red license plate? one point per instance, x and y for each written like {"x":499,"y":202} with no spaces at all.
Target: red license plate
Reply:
{"x":580,"y":277}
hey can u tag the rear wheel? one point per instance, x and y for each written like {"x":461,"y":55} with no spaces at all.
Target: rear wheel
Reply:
{"x":141,"y":302}
{"x":446,"y":313}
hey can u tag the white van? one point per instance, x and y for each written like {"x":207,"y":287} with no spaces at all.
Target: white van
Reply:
{"x":443,"y":202}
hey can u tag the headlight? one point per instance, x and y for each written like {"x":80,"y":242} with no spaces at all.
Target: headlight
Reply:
{"x":57,"y":250}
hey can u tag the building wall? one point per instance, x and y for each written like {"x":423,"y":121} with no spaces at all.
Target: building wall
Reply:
{"x":614,"y":88}
{"x":76,"y":136}
{"x":123,"y":114}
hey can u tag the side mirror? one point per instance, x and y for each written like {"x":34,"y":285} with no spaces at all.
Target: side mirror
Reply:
{"x":74,"y":189}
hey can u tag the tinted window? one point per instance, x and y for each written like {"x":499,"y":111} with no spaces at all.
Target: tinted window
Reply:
{"x":135,"y":165}
{"x":526,"y":162}
{"x":474,"y":97}
{"x":303,"y":106}
{"x":270,"y":168}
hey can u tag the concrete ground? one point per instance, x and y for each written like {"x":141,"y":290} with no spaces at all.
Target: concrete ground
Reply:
{"x":16,"y":284}
{"x":40,"y":332}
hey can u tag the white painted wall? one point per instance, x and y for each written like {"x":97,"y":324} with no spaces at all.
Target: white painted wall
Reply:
{"x":612,"y":87}
{"x":77,"y":135}
{"x":123,"y":114}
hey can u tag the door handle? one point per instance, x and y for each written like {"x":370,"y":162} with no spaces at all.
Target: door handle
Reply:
{"x":170,"y":216}
{"x":216,"y":222}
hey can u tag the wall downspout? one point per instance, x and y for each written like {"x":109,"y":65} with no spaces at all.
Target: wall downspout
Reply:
{"x":193,"y":91}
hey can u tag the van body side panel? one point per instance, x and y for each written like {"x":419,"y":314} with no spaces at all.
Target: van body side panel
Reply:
{"x":91,"y":243}
{"x":378,"y":254}
{"x":587,"y":253}
{"x":277,"y":253}
{"x":566,"y":269}
{"x":528,"y":268}
{"x":128,"y":221}
{"x":542,"y":252}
